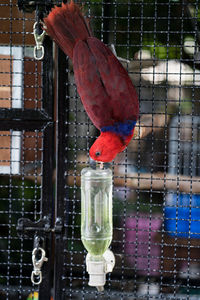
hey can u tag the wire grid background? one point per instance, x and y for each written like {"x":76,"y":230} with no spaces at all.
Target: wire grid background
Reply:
{"x":21,"y":151}
{"x":20,"y":197}
{"x":156,"y":194}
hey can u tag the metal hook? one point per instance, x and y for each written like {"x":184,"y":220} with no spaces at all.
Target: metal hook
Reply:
{"x":39,"y":38}
{"x":36,"y":275}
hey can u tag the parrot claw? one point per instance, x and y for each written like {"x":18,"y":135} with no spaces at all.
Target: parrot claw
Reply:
{"x":112,"y":47}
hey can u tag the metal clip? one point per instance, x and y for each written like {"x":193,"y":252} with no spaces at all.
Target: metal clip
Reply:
{"x":39,"y":38}
{"x":36,"y":275}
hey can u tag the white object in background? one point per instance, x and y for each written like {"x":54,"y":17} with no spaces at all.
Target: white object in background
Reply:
{"x":97,"y":269}
{"x":192,"y":271}
{"x":15,"y":54}
{"x":173,"y":72}
{"x":151,"y":289}
{"x":143,"y":54}
{"x":189,"y":45}
{"x":15,"y":152}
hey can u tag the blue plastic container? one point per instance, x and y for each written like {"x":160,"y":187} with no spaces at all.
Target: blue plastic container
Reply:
{"x":182,"y":216}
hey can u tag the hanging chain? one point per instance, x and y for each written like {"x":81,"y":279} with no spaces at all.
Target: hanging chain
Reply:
{"x":36,"y":275}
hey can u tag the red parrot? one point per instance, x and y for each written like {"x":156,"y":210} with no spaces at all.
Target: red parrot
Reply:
{"x":104,"y":86}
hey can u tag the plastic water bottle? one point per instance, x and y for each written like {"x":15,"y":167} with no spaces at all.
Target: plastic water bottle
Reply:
{"x":96,"y":210}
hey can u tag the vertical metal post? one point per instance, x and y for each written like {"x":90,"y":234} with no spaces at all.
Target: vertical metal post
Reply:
{"x":47,"y":210}
{"x":47,"y":72}
{"x":60,"y":173}
{"x":47,"y":205}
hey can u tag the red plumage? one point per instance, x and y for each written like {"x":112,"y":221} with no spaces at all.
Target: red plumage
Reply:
{"x":67,"y":25}
{"x":110,"y":96}
{"x":104,"y":86}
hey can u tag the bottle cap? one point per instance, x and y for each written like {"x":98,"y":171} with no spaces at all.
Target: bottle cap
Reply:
{"x":98,"y":268}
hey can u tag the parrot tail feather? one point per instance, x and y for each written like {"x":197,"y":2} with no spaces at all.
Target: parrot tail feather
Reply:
{"x":67,"y":25}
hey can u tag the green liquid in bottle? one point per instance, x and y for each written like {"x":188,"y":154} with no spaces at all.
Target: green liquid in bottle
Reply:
{"x":96,"y":210}
{"x":96,"y":247}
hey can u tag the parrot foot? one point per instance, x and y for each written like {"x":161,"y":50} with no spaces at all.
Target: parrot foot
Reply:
{"x":112,"y":47}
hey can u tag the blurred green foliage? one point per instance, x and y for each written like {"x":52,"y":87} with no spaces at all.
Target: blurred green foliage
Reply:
{"x":160,"y":51}
{"x":158,"y":26}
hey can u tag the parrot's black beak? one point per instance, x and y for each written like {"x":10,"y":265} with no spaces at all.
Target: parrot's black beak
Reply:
{"x":92,"y":163}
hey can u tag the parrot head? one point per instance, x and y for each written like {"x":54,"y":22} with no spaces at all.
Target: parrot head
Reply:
{"x":107,"y":146}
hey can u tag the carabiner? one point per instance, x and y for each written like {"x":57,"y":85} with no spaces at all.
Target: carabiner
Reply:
{"x":36,"y":277}
{"x":37,"y":265}
{"x":39,"y":38}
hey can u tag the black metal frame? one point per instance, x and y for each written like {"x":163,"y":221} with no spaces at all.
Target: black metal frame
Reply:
{"x":19,"y":119}
{"x":60,"y":174}
{"x":50,"y":227}
{"x":30,"y":6}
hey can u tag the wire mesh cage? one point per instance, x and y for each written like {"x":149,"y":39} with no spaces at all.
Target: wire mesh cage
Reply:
{"x":24,"y":142}
{"x":45,"y":139}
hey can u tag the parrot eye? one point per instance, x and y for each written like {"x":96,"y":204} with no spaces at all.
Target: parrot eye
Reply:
{"x":98,"y":153}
